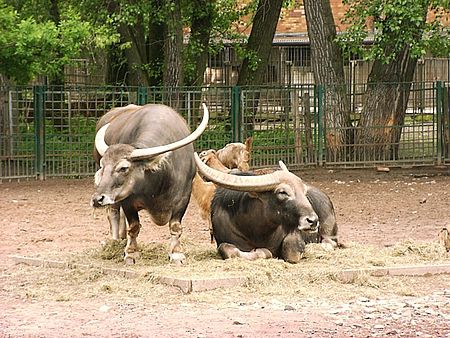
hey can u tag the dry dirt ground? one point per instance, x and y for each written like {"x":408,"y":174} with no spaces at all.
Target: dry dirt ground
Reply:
{"x":53,"y":219}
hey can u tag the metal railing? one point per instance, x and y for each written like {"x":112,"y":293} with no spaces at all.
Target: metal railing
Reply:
{"x":47,"y":132}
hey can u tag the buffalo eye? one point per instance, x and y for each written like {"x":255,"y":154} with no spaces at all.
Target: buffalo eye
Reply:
{"x":123,"y":169}
{"x":282,"y":194}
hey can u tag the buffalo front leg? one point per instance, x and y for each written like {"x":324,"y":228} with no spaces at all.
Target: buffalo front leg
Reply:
{"x":132,"y":250}
{"x":293,"y":247}
{"x":176,"y":254}
{"x":117,"y":222}
{"x":227,"y":250}
{"x":134,"y":226}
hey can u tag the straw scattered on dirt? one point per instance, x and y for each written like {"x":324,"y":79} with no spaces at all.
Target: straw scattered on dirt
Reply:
{"x":314,"y":277}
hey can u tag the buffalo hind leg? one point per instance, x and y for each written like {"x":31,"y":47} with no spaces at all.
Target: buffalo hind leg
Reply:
{"x":293,"y":247}
{"x":176,"y":254}
{"x":227,"y":250}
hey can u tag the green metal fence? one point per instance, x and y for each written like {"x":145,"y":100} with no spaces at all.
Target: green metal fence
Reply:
{"x":48,"y":132}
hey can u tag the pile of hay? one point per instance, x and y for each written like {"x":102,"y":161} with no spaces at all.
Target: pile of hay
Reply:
{"x":315,"y":277}
{"x":318,"y":262}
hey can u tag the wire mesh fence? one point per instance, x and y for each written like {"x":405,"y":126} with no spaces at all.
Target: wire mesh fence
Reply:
{"x":47,"y":131}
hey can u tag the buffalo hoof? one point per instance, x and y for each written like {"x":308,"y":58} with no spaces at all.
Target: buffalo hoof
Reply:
{"x":327,"y":246}
{"x":177,"y":258}
{"x":130,"y":258}
{"x":293,"y":257}
{"x":228,"y":251}
{"x":263,"y":253}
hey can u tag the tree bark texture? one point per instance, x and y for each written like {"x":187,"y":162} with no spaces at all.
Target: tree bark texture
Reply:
{"x":155,"y":48}
{"x":173,"y":47}
{"x":201,"y":27}
{"x":145,"y":52}
{"x":260,"y":42}
{"x":136,"y":55}
{"x":385,"y":102}
{"x":328,"y":69}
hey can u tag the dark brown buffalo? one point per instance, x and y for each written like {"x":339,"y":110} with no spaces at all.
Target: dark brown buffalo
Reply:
{"x":270,"y":215}
{"x":146,"y":162}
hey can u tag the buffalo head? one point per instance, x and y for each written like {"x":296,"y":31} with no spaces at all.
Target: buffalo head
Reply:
{"x":282,"y":192}
{"x":122,"y":165}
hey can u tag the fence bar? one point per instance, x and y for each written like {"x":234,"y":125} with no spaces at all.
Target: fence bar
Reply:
{"x":439,"y":113}
{"x":320,"y":124}
{"x":142,"y":95}
{"x":39,"y":131}
{"x":236,"y":120}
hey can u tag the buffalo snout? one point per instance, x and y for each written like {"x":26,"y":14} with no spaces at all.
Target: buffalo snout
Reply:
{"x":309,"y":223}
{"x":101,"y":200}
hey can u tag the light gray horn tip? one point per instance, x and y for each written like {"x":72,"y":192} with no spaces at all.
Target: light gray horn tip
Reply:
{"x":283,"y":166}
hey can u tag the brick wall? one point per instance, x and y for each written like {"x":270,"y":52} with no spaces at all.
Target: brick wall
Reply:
{"x":294,"y":21}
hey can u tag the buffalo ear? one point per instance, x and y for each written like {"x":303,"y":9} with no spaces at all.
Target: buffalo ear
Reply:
{"x":155,"y":163}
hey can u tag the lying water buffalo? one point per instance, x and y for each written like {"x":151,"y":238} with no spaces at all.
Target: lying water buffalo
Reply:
{"x":271,"y":215}
{"x":149,"y":164}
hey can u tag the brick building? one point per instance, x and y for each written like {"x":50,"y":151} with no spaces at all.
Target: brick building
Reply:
{"x":290,"y":60}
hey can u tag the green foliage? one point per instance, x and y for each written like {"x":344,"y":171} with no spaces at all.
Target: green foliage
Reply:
{"x":216,"y":137}
{"x":393,"y":25}
{"x":68,"y":141}
{"x":38,"y":46}
{"x":34,"y":42}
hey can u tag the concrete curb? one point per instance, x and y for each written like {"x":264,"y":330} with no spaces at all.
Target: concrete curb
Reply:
{"x":185,"y":284}
{"x":414,"y":270}
{"x":188,"y":285}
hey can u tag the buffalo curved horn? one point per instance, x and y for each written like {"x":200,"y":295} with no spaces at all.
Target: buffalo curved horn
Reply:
{"x":100,"y":143}
{"x":282,"y":166}
{"x":139,"y":154}
{"x":258,"y":183}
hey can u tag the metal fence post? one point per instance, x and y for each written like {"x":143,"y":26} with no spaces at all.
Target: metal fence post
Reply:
{"x":142,"y":95}
{"x":320,"y":123}
{"x":439,"y":97}
{"x":39,"y":131}
{"x":236,"y":114}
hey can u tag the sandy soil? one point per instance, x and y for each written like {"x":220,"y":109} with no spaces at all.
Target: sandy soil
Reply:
{"x":53,"y":217}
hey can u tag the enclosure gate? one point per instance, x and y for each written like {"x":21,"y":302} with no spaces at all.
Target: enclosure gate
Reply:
{"x":49,"y":132}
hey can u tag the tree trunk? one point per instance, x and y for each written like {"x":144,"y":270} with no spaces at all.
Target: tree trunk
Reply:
{"x":116,"y":66}
{"x":141,"y":52}
{"x":385,"y":103}
{"x":198,"y":50}
{"x":201,"y":26}
{"x":328,"y":69}
{"x":155,"y":49}
{"x":173,"y":47}
{"x":137,"y":53}
{"x":259,"y":43}
{"x":259,"y":46}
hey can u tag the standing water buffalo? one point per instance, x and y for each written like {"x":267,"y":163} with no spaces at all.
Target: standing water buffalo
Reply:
{"x":271,"y":215}
{"x":146,"y":162}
